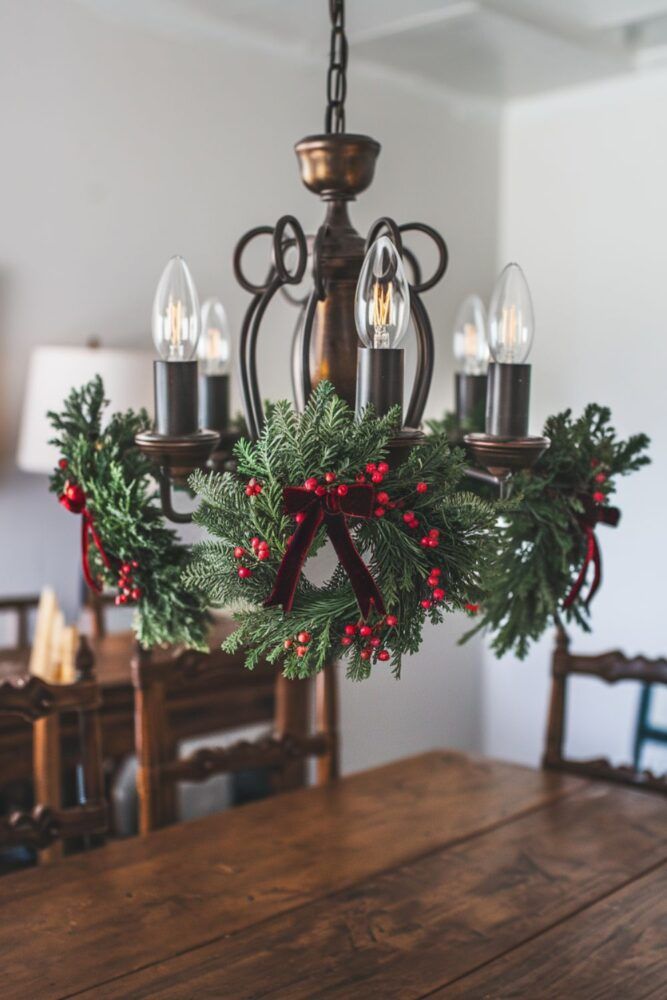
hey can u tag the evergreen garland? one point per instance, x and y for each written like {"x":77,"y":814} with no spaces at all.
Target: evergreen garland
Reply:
{"x":427,"y":545}
{"x":101,"y":467}
{"x":542,"y":546}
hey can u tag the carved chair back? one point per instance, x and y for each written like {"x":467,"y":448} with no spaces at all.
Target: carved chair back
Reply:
{"x":49,"y":824}
{"x":96,"y":607}
{"x":284,"y":753}
{"x":19,"y":609}
{"x":609,"y":667}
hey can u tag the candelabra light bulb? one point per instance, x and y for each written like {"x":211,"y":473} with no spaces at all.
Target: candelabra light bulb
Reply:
{"x":176,"y":313}
{"x":471,"y":348}
{"x":214,"y":349}
{"x":382,"y":301}
{"x":511,"y":322}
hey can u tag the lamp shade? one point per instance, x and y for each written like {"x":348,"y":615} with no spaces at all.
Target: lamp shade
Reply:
{"x":54,"y":371}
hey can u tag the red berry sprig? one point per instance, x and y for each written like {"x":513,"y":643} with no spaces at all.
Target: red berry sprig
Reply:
{"x":299,"y":643}
{"x":438,"y":592}
{"x":366,"y":637}
{"x":254,"y":488}
{"x":260,"y":550}
{"x":314,"y":486}
{"x":128,"y":589}
{"x":430,"y":541}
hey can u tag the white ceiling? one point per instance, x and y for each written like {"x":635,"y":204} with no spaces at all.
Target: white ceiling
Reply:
{"x":499,"y":49}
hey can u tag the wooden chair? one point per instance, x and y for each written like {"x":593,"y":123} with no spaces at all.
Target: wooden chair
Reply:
{"x":19,"y":608}
{"x":284,"y":753}
{"x":48,"y":824}
{"x":609,"y":667}
{"x":95,"y":607}
{"x":646,"y":731}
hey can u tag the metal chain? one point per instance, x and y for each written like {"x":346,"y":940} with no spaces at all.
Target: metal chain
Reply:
{"x":334,"y":119}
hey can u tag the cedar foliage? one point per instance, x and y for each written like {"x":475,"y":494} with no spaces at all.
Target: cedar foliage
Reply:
{"x":121,"y":496}
{"x":326,"y":437}
{"x":541,"y":543}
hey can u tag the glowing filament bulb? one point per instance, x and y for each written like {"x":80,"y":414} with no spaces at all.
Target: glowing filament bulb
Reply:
{"x":214,"y":349}
{"x":511,"y":322}
{"x":471,"y":349}
{"x":176,"y":313}
{"x":382,"y":302}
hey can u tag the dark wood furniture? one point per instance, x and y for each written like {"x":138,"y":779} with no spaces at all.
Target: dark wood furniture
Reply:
{"x":442,"y":875}
{"x":42,"y":705}
{"x":609,"y":667}
{"x":646,"y":731}
{"x":231,"y":696}
{"x":160,"y":681}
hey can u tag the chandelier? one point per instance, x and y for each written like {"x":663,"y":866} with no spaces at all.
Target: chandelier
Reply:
{"x":349,"y":325}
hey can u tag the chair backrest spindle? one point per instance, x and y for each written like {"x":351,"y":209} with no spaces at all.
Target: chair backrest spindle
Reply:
{"x":609,"y":667}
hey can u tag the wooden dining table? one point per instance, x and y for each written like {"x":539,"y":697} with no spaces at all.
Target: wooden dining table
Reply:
{"x":443,"y":875}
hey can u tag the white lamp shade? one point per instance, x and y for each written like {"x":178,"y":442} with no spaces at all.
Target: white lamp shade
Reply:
{"x":54,"y":371}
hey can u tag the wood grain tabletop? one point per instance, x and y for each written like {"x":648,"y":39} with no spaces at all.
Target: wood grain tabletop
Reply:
{"x":441,"y":875}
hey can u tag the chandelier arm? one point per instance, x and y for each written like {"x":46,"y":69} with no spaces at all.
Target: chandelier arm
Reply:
{"x":281,"y":244}
{"x":295,"y":355}
{"x":443,"y":254}
{"x":414,"y":266}
{"x":306,"y":387}
{"x":251,"y":352}
{"x":424,"y":367}
{"x":393,"y":231}
{"x":165,"y":500}
{"x":245,"y":240}
{"x":244,"y":370}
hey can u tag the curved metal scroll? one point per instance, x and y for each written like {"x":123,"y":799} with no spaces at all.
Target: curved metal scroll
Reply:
{"x":279,"y":275}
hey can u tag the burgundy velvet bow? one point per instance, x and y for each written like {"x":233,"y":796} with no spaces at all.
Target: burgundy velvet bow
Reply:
{"x":331,"y":510}
{"x":593,"y":514}
{"x":74,"y":500}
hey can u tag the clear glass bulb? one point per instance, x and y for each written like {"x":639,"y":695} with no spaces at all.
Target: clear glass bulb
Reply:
{"x":511,"y":322}
{"x":176,"y":313}
{"x":471,"y":348}
{"x":382,"y":301}
{"x":215,"y":346}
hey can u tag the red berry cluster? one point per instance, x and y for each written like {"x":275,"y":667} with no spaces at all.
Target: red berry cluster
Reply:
{"x":302,"y":640}
{"x":63,"y":463}
{"x":127,"y":586}
{"x":600,"y":478}
{"x":472,"y":608}
{"x":319,"y":489}
{"x":364,"y":635}
{"x":253,"y":488}
{"x":438,"y":592}
{"x":261,"y":551}
{"x":430,"y":541}
{"x":410,"y":519}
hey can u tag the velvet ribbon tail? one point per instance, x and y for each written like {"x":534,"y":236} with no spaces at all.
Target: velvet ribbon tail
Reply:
{"x":364,"y":586}
{"x":89,"y":532}
{"x":289,"y":571}
{"x":592,"y":556}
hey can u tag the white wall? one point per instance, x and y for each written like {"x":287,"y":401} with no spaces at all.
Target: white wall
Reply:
{"x":121,"y":147}
{"x":584,"y":210}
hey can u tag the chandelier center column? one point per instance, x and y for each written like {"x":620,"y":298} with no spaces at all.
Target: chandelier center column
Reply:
{"x":336,"y":167}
